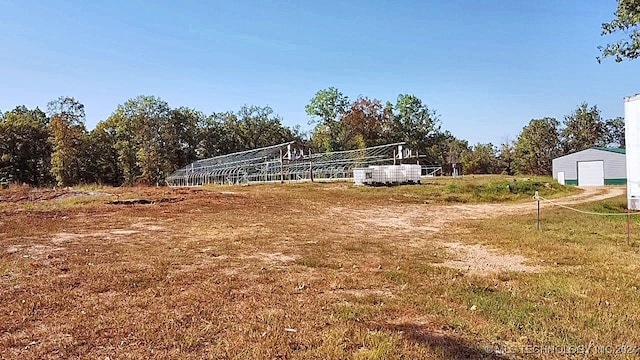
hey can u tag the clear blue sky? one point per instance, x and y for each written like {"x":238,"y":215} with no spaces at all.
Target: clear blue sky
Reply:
{"x":486,"y":66}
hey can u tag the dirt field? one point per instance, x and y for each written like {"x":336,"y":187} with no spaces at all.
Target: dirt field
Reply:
{"x":273,"y":271}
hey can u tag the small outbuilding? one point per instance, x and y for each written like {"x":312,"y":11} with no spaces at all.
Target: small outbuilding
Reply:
{"x":592,"y":167}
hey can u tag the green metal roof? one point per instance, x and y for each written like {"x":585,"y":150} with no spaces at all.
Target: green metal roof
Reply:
{"x":613,"y":150}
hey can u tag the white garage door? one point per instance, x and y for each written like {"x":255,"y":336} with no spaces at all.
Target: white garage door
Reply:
{"x":591,"y":173}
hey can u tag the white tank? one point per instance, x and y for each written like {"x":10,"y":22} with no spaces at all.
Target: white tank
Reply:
{"x":632,"y":142}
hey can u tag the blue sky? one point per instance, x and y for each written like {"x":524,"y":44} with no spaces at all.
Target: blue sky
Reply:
{"x":487,"y":67}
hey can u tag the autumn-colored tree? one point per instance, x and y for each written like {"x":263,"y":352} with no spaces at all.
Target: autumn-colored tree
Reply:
{"x":365,"y":123}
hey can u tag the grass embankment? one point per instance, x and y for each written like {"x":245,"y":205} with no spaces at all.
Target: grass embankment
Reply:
{"x":309,"y":271}
{"x":473,"y":189}
{"x":437,"y":190}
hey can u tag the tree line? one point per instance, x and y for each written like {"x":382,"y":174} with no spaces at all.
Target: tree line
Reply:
{"x":145,"y":139}
{"x":142,"y":142}
{"x":342,"y":124}
{"x":544,"y":139}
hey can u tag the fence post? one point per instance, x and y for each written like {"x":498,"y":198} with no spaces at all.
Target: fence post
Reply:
{"x":537,"y":197}
{"x":310,"y":166}
{"x":628,"y":226}
{"x":281,"y":169}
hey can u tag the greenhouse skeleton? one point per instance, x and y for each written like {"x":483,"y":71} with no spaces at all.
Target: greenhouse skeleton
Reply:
{"x":291,"y":161}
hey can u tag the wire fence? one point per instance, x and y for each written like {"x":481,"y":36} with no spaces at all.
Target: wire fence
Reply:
{"x":584,"y":211}
{"x":628,"y":214}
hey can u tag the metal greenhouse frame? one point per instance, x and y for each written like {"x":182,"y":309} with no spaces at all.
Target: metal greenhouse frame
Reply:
{"x":285,"y":162}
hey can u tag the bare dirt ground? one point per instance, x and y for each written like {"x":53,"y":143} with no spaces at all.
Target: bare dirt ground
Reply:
{"x":472,"y":258}
{"x":203,"y":273}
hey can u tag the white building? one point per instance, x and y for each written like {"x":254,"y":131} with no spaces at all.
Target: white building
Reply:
{"x":592,"y":167}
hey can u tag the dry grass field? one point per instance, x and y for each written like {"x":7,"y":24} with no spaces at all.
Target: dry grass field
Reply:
{"x":448,"y":269}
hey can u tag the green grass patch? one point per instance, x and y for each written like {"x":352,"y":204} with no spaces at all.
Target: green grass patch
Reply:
{"x":503,"y":190}
{"x":439,"y":190}
{"x":378,"y":345}
{"x":350,"y":312}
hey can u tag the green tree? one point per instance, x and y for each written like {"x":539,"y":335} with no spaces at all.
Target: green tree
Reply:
{"x":182,"y":135}
{"x":258,"y":127}
{"x":437,"y":150}
{"x":142,"y":125}
{"x":327,"y":108}
{"x":584,"y":128}
{"x":414,"y":122}
{"x":480,"y":159}
{"x":456,"y":147}
{"x":614,"y":132}
{"x":214,"y":139}
{"x":25,"y":151}
{"x":126,"y":144}
{"x":68,"y":137}
{"x":323,"y":139}
{"x":105,"y":163}
{"x":506,"y":158}
{"x":537,"y":145}
{"x":443,"y":150}
{"x":627,"y":18}
{"x":251,"y":127}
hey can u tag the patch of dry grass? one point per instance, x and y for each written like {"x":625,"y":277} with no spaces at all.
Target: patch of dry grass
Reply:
{"x":588,"y":293}
{"x":300,"y":271}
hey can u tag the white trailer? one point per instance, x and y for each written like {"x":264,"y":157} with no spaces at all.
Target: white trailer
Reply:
{"x":632,"y":143}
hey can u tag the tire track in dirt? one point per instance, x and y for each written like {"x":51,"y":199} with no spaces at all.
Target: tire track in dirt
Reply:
{"x":482,"y":259}
{"x":422,"y":222}
{"x":590,"y":194}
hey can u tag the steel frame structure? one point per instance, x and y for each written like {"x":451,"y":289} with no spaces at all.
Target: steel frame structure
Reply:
{"x":286,"y":162}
